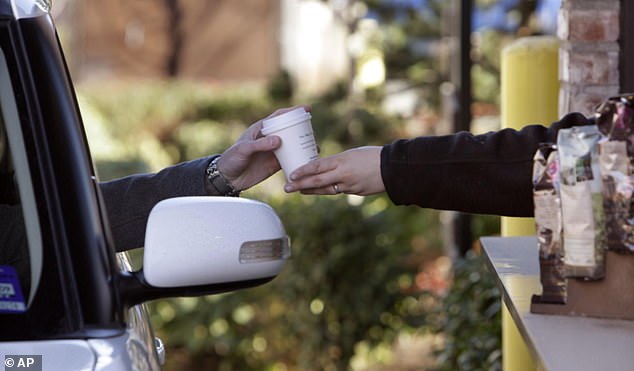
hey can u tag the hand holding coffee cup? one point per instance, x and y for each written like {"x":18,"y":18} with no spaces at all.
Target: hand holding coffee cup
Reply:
{"x":298,"y":141}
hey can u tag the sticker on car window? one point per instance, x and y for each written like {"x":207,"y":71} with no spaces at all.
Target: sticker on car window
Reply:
{"x":11,"y":298}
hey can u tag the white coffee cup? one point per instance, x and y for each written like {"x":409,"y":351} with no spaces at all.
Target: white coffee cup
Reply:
{"x":298,"y":141}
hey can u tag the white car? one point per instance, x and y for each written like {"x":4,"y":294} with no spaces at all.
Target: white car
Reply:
{"x":68,"y":301}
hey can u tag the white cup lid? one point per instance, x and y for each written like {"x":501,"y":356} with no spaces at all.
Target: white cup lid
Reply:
{"x":284,"y":120}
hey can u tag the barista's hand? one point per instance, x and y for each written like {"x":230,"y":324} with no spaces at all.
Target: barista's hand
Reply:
{"x":355,"y":171}
{"x":250,"y":159}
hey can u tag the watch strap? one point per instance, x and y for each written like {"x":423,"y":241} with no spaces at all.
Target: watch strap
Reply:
{"x":217,"y":181}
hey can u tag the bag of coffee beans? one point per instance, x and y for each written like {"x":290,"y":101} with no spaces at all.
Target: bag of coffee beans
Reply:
{"x":548,"y":224}
{"x":615,"y":120}
{"x":581,"y":201}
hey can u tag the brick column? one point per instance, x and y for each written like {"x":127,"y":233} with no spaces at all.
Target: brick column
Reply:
{"x":588,"y":54}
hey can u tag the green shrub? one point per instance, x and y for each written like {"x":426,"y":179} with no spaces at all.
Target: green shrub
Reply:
{"x":350,"y":279}
{"x":469,"y":319}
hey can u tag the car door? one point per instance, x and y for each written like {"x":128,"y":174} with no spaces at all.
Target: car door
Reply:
{"x":58,"y":296}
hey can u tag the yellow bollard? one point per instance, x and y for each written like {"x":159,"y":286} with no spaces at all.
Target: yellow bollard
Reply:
{"x":529,"y":95}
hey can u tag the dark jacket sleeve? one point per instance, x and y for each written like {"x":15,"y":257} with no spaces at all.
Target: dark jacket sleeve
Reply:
{"x":129,"y":200}
{"x":484,"y":174}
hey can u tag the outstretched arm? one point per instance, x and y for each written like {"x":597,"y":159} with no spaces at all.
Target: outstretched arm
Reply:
{"x":129,"y":200}
{"x":484,"y":174}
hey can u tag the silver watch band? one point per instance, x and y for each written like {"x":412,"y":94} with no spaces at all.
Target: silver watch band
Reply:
{"x":218,"y":182}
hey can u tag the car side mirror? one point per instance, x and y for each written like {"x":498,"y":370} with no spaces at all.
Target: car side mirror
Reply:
{"x":206,"y":245}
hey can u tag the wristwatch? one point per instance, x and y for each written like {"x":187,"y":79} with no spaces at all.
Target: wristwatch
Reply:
{"x":218,"y":181}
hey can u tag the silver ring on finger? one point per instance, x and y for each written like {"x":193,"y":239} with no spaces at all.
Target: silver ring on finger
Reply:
{"x":336,"y":188}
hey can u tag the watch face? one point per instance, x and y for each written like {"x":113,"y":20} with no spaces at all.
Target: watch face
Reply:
{"x":212,"y":169}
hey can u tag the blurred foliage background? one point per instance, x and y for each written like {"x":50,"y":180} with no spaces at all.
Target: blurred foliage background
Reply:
{"x":369,"y":286}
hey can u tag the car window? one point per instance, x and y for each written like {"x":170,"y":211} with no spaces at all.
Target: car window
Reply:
{"x":20,"y":237}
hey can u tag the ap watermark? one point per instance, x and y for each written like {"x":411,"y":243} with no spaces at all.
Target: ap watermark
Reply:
{"x":23,"y":362}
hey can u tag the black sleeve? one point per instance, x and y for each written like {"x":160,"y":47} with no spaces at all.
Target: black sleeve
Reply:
{"x":484,"y":174}
{"x":129,"y":200}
